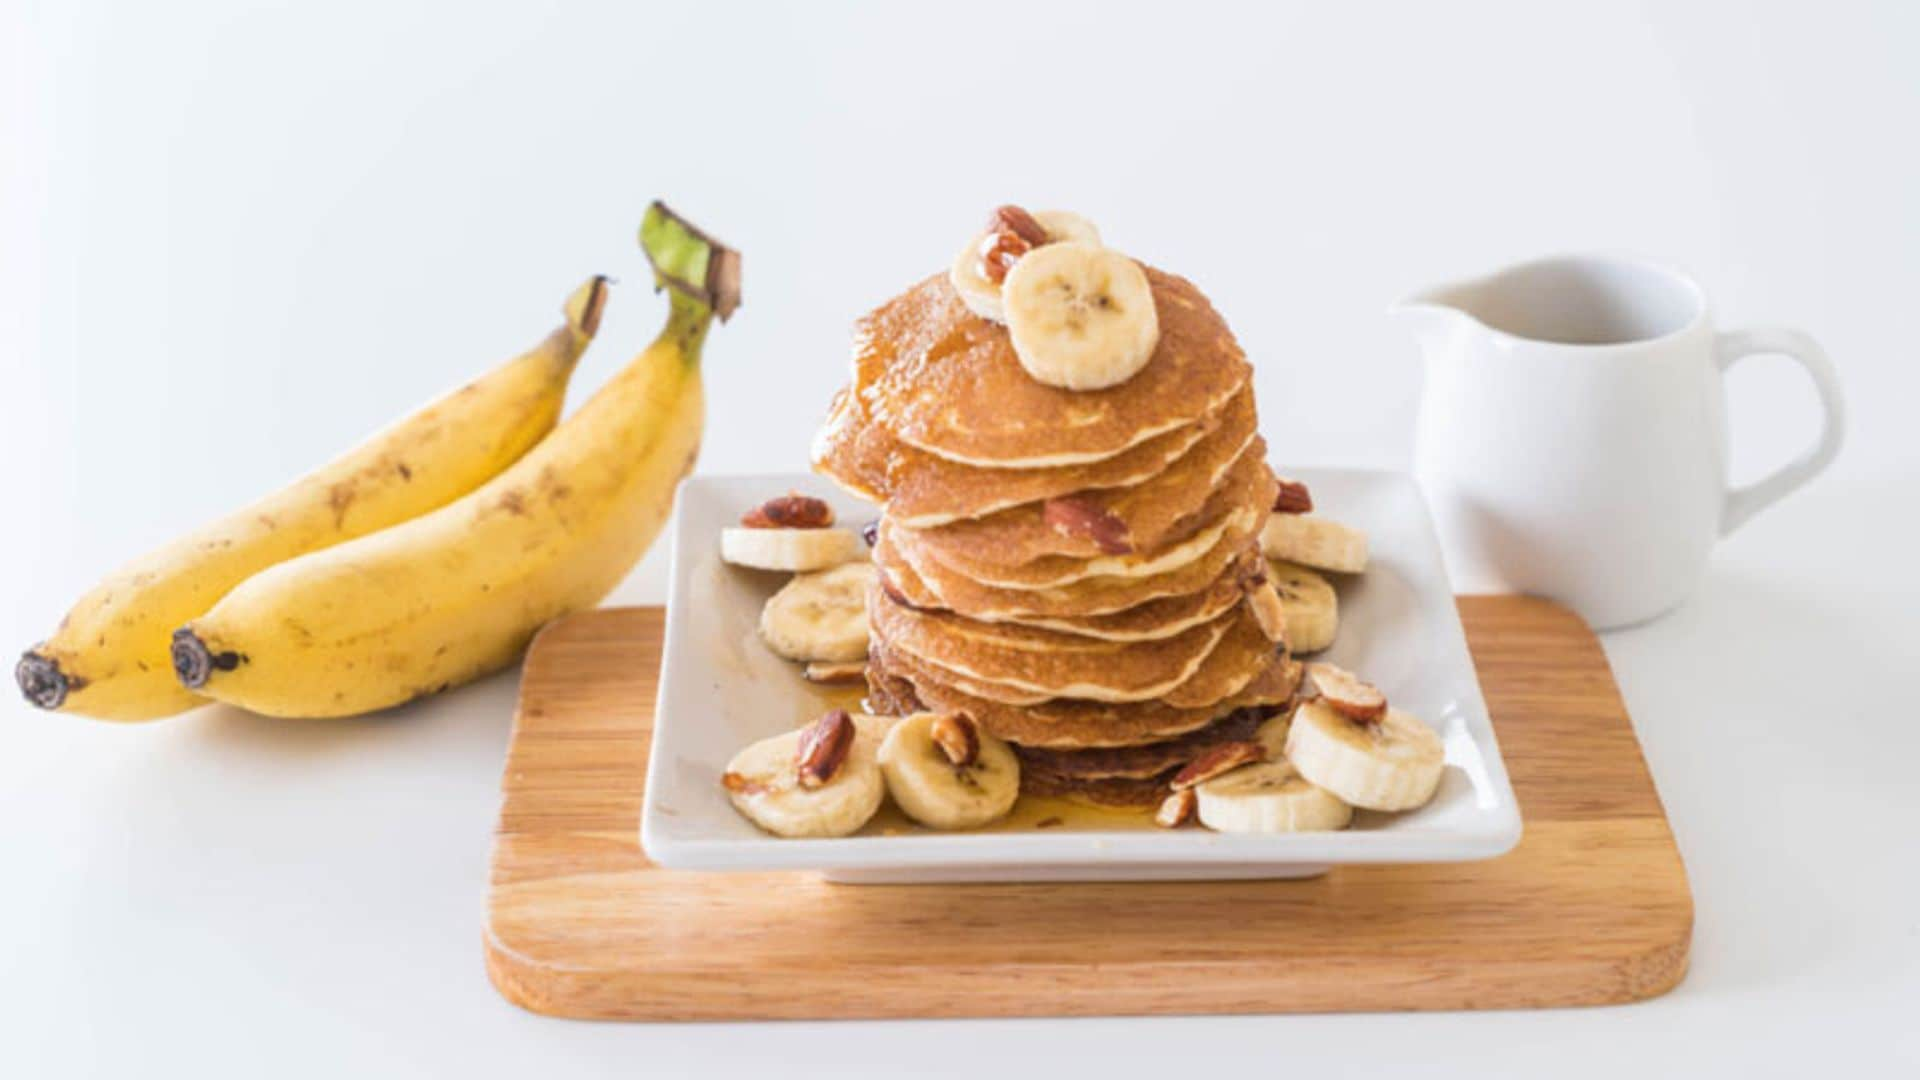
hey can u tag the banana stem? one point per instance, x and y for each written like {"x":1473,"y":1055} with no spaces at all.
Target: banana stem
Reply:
{"x":695,"y":266}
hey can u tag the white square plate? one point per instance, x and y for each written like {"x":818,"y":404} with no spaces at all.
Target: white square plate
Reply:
{"x":720,"y":689}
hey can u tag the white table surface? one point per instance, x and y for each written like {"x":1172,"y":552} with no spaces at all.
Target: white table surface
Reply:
{"x":235,"y":240}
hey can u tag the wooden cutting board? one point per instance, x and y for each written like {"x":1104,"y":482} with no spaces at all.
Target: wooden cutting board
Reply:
{"x":1591,"y":908}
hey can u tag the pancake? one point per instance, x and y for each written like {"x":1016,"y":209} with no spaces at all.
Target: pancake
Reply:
{"x":1227,"y":667}
{"x":924,"y":491}
{"x":1064,"y":723}
{"x":1047,"y":662}
{"x":1019,"y":550}
{"x":1147,"y":759}
{"x":925,"y":583}
{"x":1153,"y":620}
{"x":889,"y":694}
{"x":1106,"y":791}
{"x":1154,"y":513}
{"x":947,"y":381}
{"x":852,"y":450}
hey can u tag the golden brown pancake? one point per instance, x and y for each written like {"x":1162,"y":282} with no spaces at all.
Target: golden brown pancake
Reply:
{"x":925,"y":582}
{"x":852,"y":450}
{"x":1147,"y":759}
{"x":1154,"y":619}
{"x":947,"y":381}
{"x":924,"y":490}
{"x":888,"y":694}
{"x":1046,"y":662}
{"x":1068,"y":724}
{"x":1018,"y":549}
{"x":1227,"y":667}
{"x":1108,"y":791}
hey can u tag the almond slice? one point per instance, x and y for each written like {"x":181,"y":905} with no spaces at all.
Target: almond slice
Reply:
{"x":1221,"y":759}
{"x":1077,"y":515}
{"x":1177,"y":809}
{"x":823,"y":748}
{"x":831,"y":674}
{"x":1264,"y":601}
{"x":1348,"y":694}
{"x":958,"y":737}
{"x":1294,"y":498}
{"x":789,"y":511}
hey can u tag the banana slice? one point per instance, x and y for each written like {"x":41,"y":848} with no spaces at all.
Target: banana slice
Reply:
{"x":948,"y":774}
{"x":1272,"y":734}
{"x":764,"y":783}
{"x":1393,"y":763}
{"x":790,"y":549}
{"x":1321,"y":543}
{"x":980,"y":293}
{"x":820,"y":616}
{"x":1269,"y":797}
{"x":1064,"y":226}
{"x":1081,"y":317}
{"x":1311,"y":606}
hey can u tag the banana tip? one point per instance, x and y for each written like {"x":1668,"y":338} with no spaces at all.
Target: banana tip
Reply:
{"x":194,"y":663}
{"x":41,"y":681}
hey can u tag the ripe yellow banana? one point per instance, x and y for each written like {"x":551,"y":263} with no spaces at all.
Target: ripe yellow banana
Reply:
{"x":453,"y":595}
{"x":110,"y":656}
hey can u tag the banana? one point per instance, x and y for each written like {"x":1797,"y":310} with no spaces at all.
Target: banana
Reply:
{"x":1068,"y":227}
{"x":766,"y":783}
{"x":982,"y":294}
{"x":1081,"y":317}
{"x":946,"y":773}
{"x":793,"y":550}
{"x":1272,"y":734}
{"x":1321,"y":543}
{"x":978,"y":292}
{"x":820,"y":616}
{"x":1268,"y":797}
{"x":1311,"y":606}
{"x":445,"y":598}
{"x":1393,"y":763}
{"x":109,"y":658}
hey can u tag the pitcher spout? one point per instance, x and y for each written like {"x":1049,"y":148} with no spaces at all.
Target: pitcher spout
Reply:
{"x":1436,"y":313}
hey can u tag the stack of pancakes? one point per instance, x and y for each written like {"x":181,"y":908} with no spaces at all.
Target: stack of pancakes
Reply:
{"x":1073,"y":569}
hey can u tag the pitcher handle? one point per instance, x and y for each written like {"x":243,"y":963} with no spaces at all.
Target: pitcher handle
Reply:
{"x":1731,"y":348}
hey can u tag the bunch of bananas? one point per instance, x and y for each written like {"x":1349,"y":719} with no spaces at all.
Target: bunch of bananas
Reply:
{"x":429,"y":555}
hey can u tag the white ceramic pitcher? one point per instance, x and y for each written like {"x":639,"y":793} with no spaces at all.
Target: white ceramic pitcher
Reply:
{"x":1572,"y":436}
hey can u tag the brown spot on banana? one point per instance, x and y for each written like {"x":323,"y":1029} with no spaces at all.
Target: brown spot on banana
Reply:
{"x":339,"y":497}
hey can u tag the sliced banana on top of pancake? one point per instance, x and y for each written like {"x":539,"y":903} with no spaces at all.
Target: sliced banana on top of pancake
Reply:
{"x":1065,"y":226}
{"x":982,"y":266}
{"x":946,"y":773}
{"x":1391,"y":763}
{"x":1081,"y":317}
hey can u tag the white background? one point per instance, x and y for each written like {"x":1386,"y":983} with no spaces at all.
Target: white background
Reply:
{"x":238,"y":238}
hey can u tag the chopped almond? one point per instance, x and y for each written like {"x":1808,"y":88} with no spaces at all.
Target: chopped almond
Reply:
{"x":1178,"y":809}
{"x":823,"y":748}
{"x":790,"y":511}
{"x":1077,"y":515}
{"x":1294,"y":498}
{"x":958,"y":738}
{"x":1221,"y":759}
{"x":1347,"y":693}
